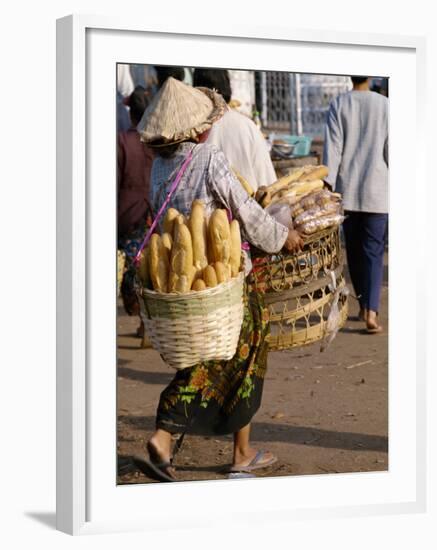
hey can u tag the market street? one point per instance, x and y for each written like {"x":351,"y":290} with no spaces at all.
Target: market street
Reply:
{"x":321,"y":412}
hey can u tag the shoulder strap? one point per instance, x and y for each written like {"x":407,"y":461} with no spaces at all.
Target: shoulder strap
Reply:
{"x":164,"y":205}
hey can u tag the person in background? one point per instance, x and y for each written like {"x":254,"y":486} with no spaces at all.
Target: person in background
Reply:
{"x":236,"y":135}
{"x":212,"y":397}
{"x":164,"y":72}
{"x":134,"y":164}
{"x":356,"y":153}
{"x":125,"y":86}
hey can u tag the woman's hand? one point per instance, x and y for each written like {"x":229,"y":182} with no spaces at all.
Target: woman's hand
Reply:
{"x":294,"y":241}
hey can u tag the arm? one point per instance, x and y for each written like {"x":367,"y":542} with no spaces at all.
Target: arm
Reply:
{"x":333,"y":145}
{"x":261,"y":229}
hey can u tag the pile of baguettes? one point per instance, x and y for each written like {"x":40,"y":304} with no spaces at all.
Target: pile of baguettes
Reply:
{"x":191,"y":254}
{"x":297,"y":183}
{"x":310,"y":206}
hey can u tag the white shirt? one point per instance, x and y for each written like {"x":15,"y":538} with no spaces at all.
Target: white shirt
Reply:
{"x":245,"y":148}
{"x":125,"y":84}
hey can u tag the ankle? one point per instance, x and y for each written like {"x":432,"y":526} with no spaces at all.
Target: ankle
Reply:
{"x":372,"y":315}
{"x":161,"y":442}
{"x":242,"y":453}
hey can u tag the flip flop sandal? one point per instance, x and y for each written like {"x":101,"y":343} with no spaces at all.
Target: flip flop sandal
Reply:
{"x":147,"y":466}
{"x":255,"y":464}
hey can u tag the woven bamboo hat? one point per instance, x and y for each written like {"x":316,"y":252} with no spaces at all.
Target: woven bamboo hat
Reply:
{"x":179,"y":112}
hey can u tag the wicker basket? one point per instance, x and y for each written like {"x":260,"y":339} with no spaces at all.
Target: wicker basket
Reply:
{"x":190,"y":328}
{"x":299,"y":316}
{"x":322,"y":252}
{"x":298,"y":290}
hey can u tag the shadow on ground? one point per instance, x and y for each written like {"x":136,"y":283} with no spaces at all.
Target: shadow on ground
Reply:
{"x":285,"y":433}
{"x":145,"y":377}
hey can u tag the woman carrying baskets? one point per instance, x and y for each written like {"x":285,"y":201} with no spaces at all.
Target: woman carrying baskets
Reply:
{"x":213,"y":397}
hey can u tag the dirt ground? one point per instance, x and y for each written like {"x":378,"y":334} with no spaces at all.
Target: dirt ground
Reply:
{"x":321,"y":412}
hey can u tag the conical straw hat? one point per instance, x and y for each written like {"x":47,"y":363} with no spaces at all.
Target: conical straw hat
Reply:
{"x":179,"y":112}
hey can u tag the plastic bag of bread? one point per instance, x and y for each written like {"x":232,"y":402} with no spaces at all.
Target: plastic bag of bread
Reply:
{"x":316,"y":212}
{"x":318,"y":224}
{"x":310,"y":200}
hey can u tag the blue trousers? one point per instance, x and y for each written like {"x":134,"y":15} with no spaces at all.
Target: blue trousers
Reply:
{"x":365,"y":243}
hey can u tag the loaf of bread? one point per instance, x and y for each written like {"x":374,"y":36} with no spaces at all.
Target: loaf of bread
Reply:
{"x":304,"y":187}
{"x":167,"y":241}
{"x":199,"y":284}
{"x":221,"y":272}
{"x":181,"y":263}
{"x":209,"y":276}
{"x":244,"y":183}
{"x":316,"y":173}
{"x":219,"y":236}
{"x":235,"y":258}
{"x":198,"y":226}
{"x":158,"y":264}
{"x":169,"y":219}
{"x":143,"y":268}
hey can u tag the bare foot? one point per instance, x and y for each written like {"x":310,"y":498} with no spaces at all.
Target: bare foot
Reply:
{"x":372,"y":325}
{"x":160,"y":455}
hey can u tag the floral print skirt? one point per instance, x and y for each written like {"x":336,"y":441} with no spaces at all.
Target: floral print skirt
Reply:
{"x":221,"y":397}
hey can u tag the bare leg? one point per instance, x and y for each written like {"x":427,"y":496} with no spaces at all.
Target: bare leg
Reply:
{"x":243,"y":452}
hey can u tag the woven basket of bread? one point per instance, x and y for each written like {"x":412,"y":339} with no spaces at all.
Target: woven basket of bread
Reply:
{"x":191,"y":283}
{"x":190,"y":328}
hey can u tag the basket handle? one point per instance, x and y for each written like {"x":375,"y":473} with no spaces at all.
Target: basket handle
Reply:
{"x":164,"y":205}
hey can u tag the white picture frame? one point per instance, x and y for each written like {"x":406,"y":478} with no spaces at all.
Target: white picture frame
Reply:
{"x":86,"y":497}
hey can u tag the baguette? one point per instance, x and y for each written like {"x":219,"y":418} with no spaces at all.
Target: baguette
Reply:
{"x":317,"y":173}
{"x":220,"y":236}
{"x":143,"y":268}
{"x":235,"y":258}
{"x":304,"y":187}
{"x":198,"y":285}
{"x":265,"y":194}
{"x":244,"y":183}
{"x":169,"y":219}
{"x":181,"y":263}
{"x":167,"y":242}
{"x":158,"y":264}
{"x":198,"y":226}
{"x":209,"y":276}
{"x":222,"y":272}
